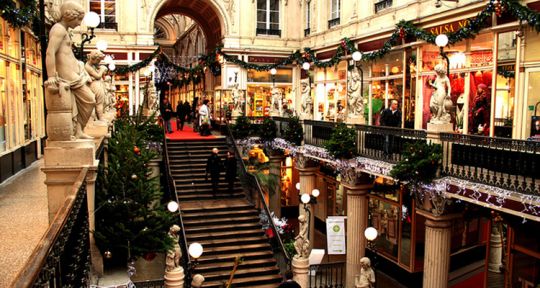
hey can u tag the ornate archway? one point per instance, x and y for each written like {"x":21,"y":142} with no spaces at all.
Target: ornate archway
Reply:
{"x":207,"y":13}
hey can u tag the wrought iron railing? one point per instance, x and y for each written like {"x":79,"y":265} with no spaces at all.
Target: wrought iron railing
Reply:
{"x":255,"y":195}
{"x":273,"y":32}
{"x":327,"y":275}
{"x":505,"y":163}
{"x":281,"y":124}
{"x":317,"y":132}
{"x":333,"y":22}
{"x":160,"y":283}
{"x":385,"y":143}
{"x":381,"y":5}
{"x":171,"y":186}
{"x":62,"y":258}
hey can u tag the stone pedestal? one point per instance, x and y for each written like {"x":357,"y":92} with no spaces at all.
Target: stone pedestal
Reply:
{"x":495,"y":249}
{"x":308,"y":182}
{"x":175,"y":278}
{"x":357,"y":217}
{"x":437,"y":250}
{"x":300,"y":269}
{"x":275,"y":198}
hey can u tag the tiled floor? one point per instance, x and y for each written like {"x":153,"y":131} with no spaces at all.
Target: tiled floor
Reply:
{"x":23,"y":219}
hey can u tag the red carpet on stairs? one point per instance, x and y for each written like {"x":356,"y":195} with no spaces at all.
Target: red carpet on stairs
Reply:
{"x":187,"y":133}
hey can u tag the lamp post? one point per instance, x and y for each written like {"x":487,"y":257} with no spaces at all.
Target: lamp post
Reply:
{"x":91,"y":20}
{"x":371,"y":234}
{"x":441,"y":41}
{"x":195,"y":250}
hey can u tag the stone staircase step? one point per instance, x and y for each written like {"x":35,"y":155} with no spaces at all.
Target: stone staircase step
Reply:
{"x":248,"y":282}
{"x":212,"y":242}
{"x":225,"y":227}
{"x":208,"y":267}
{"x":211,"y":214}
{"x":198,"y":237}
{"x":221,"y":220}
{"x":241,"y":272}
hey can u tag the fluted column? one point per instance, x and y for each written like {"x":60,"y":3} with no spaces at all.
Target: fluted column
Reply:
{"x":300,"y":269}
{"x":495,"y":248}
{"x":437,"y":250}
{"x":275,"y":199}
{"x":357,"y":216}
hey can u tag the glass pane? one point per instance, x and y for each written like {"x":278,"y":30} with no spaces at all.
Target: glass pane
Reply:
{"x":274,"y":18}
{"x":525,"y":271}
{"x":95,"y":6}
{"x":504,"y":106}
{"x":384,"y":217}
{"x":507,"y":46}
{"x":480,"y":102}
{"x":377,"y":100}
{"x":532,"y":122}
{"x":261,"y":4}
{"x":3,"y":96}
{"x":392,"y":60}
{"x":274,"y":5}
{"x":261,"y":17}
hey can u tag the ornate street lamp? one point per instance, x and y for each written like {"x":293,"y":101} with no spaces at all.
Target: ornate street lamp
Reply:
{"x":442,"y":40}
{"x":91,"y":20}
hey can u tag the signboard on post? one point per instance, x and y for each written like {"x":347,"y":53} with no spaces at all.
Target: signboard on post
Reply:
{"x":335,"y":235}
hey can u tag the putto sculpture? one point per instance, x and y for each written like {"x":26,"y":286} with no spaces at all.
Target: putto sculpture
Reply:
{"x":301,"y":242}
{"x":96,"y":73}
{"x":307,"y":102}
{"x":440,"y":102}
{"x":355,"y":103}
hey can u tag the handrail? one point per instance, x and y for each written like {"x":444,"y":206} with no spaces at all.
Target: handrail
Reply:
{"x":39,"y":257}
{"x":170,"y":183}
{"x":261,"y":194}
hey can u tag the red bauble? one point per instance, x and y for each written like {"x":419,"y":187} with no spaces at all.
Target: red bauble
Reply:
{"x":343,"y":44}
{"x":401,"y":33}
{"x":136,"y":150}
{"x":149,"y":256}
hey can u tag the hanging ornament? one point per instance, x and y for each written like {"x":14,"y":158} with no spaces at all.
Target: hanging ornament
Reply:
{"x":344,"y":44}
{"x":401,"y":33}
{"x":134,"y":177}
{"x":107,"y":254}
{"x":136,"y":150}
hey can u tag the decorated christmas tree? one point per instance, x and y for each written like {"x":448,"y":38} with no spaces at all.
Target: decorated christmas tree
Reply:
{"x":342,"y":143}
{"x":419,"y":164}
{"x":242,"y":127}
{"x":131,"y":220}
{"x":268,"y":130}
{"x":294,"y":132}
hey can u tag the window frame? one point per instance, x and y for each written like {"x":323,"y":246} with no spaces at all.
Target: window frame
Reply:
{"x":103,"y":17}
{"x":267,"y":20}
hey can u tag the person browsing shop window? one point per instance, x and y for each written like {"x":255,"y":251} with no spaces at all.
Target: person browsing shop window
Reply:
{"x":391,"y":117}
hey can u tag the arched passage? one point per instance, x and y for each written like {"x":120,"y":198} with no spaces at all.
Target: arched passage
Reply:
{"x":206,"y":13}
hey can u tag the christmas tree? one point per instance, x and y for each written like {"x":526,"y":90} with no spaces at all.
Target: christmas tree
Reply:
{"x":420,"y":163}
{"x":294,"y":132}
{"x":242,"y":127}
{"x":342,"y":143}
{"x":268,"y":130}
{"x":131,"y":220}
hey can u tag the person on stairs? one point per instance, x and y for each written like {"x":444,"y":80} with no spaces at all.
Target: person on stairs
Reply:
{"x":213,"y":166}
{"x":230,"y":170}
{"x":289,"y":282}
{"x":166,"y":113}
{"x":204,"y":119}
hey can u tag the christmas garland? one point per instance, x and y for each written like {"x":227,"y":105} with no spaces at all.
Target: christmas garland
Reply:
{"x":18,"y":17}
{"x":506,"y":73}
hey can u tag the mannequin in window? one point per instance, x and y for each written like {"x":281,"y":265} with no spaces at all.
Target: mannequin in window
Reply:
{"x":440,"y":102}
{"x":480,"y":112}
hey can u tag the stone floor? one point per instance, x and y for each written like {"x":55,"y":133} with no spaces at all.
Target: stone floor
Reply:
{"x":23,"y":219}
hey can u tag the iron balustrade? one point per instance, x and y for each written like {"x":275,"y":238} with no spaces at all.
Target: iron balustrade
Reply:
{"x":62,"y":258}
{"x":381,"y":5}
{"x":160,"y":283}
{"x":317,"y":132}
{"x":256,"y":197}
{"x":281,"y":124}
{"x":327,"y":275}
{"x":506,"y":163}
{"x":271,"y":32}
{"x":333,"y":22}
{"x":385,"y":143}
{"x":186,"y":261}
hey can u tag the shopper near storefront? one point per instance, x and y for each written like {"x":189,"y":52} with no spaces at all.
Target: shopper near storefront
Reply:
{"x":166,"y":113}
{"x":390,"y":117}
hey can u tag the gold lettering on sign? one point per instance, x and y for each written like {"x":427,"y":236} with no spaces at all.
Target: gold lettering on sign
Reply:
{"x":448,"y":28}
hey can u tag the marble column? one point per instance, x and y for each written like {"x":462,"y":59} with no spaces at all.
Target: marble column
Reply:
{"x":300,"y":269}
{"x":495,"y":248}
{"x":357,"y":222}
{"x":275,"y":198}
{"x":308,"y":182}
{"x":437,"y":250}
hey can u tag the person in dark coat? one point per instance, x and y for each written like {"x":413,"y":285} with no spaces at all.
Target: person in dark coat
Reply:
{"x":187,"y":110}
{"x":180,"y":116}
{"x":230,"y":170}
{"x":213,"y":166}
{"x":391,"y":117}
{"x":289,"y":282}
{"x":166,"y":112}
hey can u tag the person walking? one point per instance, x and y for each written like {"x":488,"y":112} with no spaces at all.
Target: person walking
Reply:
{"x":166,"y":113}
{"x":390,"y":117}
{"x":289,"y":282}
{"x":204,"y":119}
{"x":230,"y":170}
{"x":213,"y":166}
{"x":180,"y":116}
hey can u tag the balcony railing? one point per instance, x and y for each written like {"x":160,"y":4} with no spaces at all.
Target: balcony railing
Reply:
{"x":328,"y":275}
{"x":505,"y":163}
{"x":381,"y":5}
{"x":281,"y":123}
{"x":307,"y":31}
{"x":272,"y":32}
{"x":333,"y":22}
{"x":317,"y":132}
{"x":108,"y":25}
{"x":62,"y":258}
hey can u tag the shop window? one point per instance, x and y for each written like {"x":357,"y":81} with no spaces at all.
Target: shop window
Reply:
{"x":531,"y":127}
{"x":13,"y":42}
{"x":259,"y":91}
{"x":331,"y":93}
{"x":307,"y":30}
{"x":384,"y":217}
{"x":106,"y":9}
{"x":505,"y":84}
{"x":268,"y":17}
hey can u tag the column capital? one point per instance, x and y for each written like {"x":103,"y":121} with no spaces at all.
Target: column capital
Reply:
{"x":303,"y":162}
{"x":433,"y":202}
{"x":438,"y":221}
{"x":310,"y":171}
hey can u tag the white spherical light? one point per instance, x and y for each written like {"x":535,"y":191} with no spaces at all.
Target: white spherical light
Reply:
{"x":273,"y":71}
{"x":441,"y":40}
{"x":108,"y":59}
{"x":112,"y":66}
{"x":306,"y":66}
{"x":91,"y":19}
{"x":297,"y":186}
{"x":305,"y":198}
{"x":102,"y":45}
{"x":315,"y":192}
{"x":172,"y":206}
{"x":195,"y":250}
{"x":371,"y":233}
{"x":357,"y":56}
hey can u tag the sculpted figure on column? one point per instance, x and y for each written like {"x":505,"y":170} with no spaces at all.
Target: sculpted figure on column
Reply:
{"x":277,"y":100}
{"x":366,"y":279}
{"x":97,"y":85}
{"x":440,"y":102}
{"x":355,"y":103}
{"x":301,"y":242}
{"x":307,"y":102}
{"x":67,"y":86}
{"x":111,"y":97}
{"x":174,"y":254}
{"x":237,"y":99}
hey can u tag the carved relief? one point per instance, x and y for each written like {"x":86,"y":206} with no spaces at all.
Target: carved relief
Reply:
{"x":304,"y":162}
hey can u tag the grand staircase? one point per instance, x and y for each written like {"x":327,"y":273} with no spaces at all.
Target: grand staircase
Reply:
{"x":227,"y":225}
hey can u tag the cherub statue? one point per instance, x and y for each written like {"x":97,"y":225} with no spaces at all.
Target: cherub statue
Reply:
{"x":277,"y":100}
{"x":237,"y":96}
{"x":307,"y":102}
{"x":355,"y":103}
{"x":366,"y":279}
{"x":301,"y":241}
{"x":440,"y":102}
{"x":96,"y":73}
{"x":174,"y":254}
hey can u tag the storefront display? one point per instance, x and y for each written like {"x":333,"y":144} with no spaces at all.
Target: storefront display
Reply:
{"x":331,"y":93}
{"x":266,"y":91}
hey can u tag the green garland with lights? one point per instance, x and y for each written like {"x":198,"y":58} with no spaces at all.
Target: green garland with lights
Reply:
{"x":18,"y":17}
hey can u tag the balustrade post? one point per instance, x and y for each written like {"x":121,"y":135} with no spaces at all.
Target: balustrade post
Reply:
{"x":95,"y":255}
